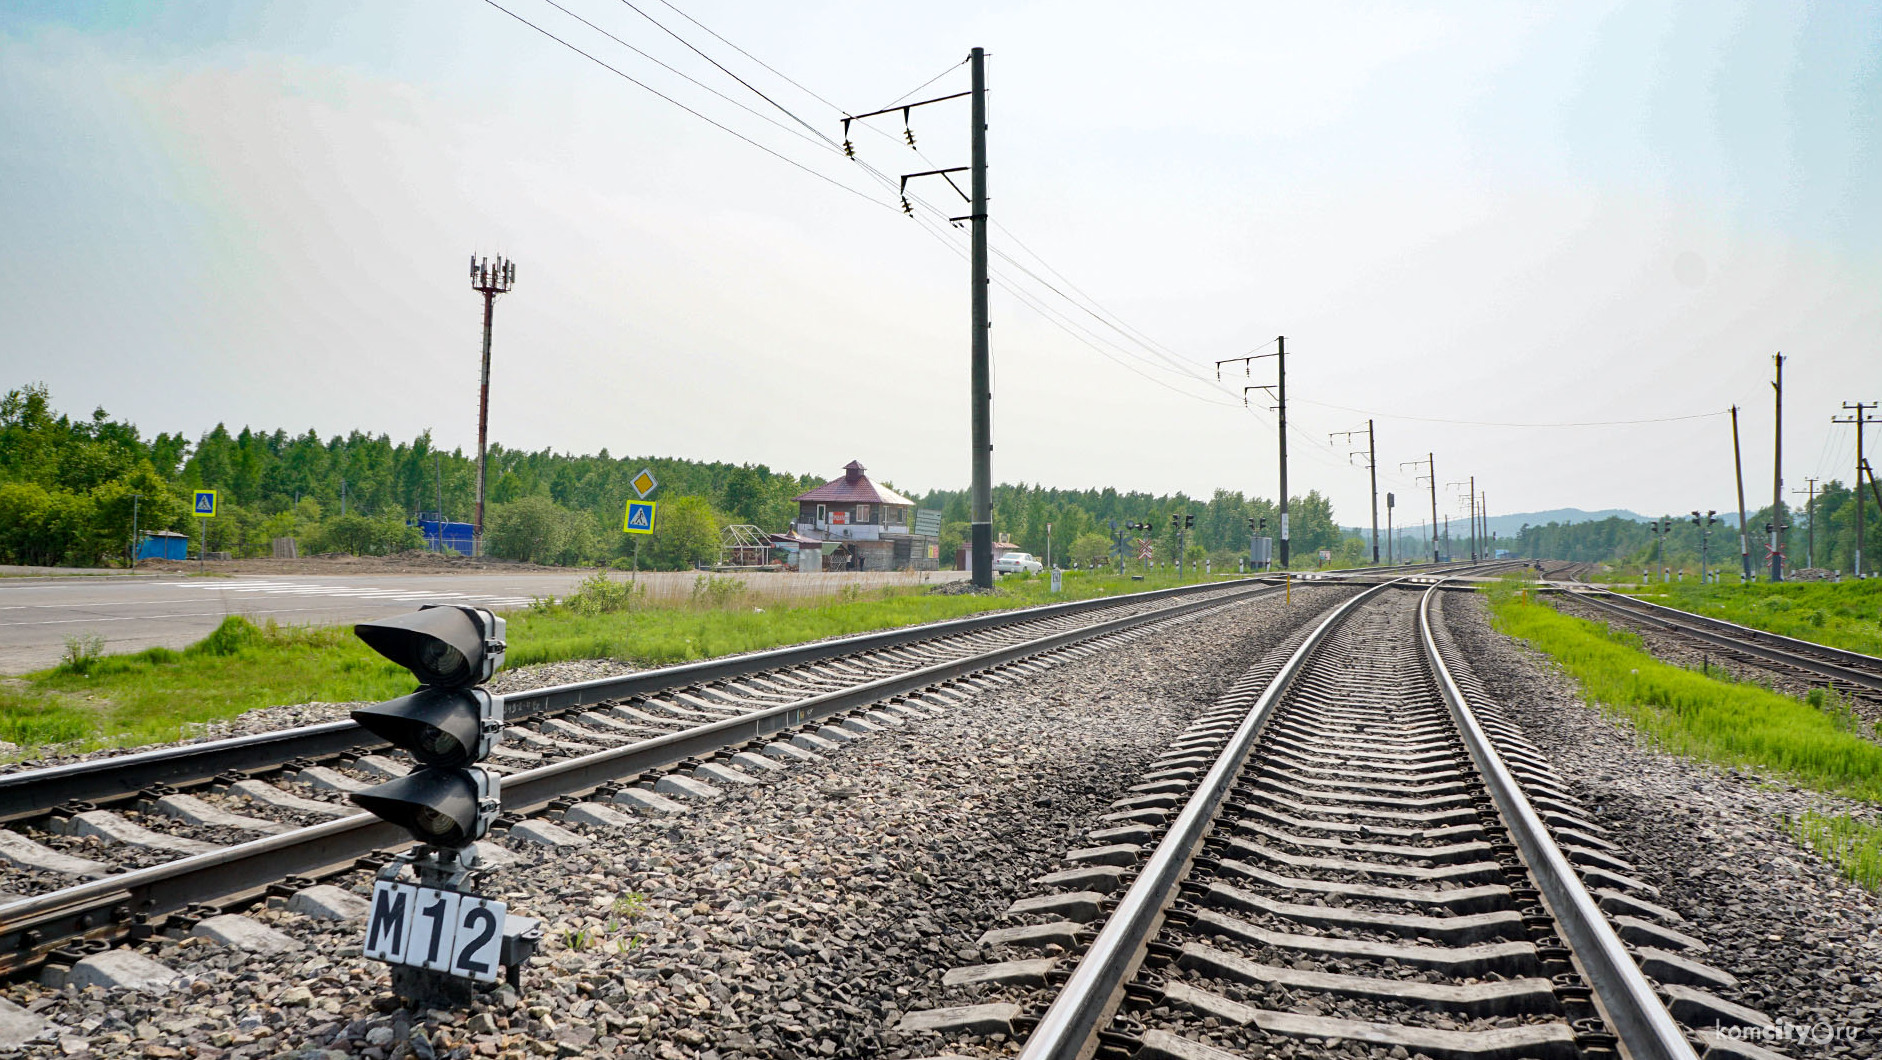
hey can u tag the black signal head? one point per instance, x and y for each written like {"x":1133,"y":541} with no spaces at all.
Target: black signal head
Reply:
{"x":446,"y":646}
{"x":440,"y":807}
{"x":440,"y":726}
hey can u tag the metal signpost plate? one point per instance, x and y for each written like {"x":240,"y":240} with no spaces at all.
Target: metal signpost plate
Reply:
{"x":644,"y":483}
{"x":458,"y":934}
{"x":928,"y":522}
{"x":205,"y":504}
{"x":639,"y":518}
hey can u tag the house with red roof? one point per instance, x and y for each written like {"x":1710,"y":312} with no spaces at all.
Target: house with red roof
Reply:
{"x":861,"y":526}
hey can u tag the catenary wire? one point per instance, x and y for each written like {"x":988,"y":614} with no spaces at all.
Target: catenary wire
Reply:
{"x":629,"y":78}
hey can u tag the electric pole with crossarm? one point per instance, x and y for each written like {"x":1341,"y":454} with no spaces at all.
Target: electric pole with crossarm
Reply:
{"x":1862,"y":416}
{"x":1372,"y":468}
{"x":980,"y":373}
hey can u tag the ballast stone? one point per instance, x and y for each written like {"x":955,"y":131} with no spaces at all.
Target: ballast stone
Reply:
{"x":241,"y":933}
{"x":123,"y":970}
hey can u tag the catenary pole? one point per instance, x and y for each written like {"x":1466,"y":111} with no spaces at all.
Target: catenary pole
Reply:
{"x":1738,"y":465}
{"x":1810,"y":520}
{"x":1861,"y":416}
{"x":982,"y":373}
{"x":1431,"y":463}
{"x":1372,"y":465}
{"x":1777,"y":474}
{"x":1281,"y":393}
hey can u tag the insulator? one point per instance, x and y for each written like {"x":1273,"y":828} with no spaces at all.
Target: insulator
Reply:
{"x":849,"y":149}
{"x":906,"y":207}
{"x":909,"y":135}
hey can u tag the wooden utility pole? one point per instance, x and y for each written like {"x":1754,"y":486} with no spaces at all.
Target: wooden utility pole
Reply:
{"x":1777,"y":475}
{"x":1861,"y":417}
{"x":1738,"y":464}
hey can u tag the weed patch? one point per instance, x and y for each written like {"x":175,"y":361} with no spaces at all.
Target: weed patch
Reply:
{"x":1693,"y":714}
{"x":1853,"y":846}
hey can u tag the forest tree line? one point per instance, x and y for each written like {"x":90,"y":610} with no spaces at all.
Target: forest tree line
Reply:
{"x":71,"y":486}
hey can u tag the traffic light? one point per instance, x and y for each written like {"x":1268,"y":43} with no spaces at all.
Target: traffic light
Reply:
{"x":1189,"y":521}
{"x":448,"y":725}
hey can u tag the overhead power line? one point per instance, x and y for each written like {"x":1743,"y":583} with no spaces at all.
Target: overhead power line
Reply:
{"x":630,"y":79}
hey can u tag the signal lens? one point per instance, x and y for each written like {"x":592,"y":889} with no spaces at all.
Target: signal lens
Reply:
{"x":436,"y":744}
{"x":430,"y":822}
{"x":442,"y":660}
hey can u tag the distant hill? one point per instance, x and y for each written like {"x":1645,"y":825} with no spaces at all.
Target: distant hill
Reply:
{"x":1509,"y":525}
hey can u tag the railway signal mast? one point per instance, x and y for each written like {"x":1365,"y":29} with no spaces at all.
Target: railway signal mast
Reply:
{"x":1705,"y":523}
{"x":438,"y":938}
{"x":490,"y":281}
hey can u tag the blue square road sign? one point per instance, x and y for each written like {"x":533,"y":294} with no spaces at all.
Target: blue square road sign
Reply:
{"x":639,"y":518}
{"x":206,"y":504}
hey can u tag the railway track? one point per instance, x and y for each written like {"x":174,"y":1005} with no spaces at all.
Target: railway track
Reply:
{"x":636,"y":742}
{"x":1352,"y":853}
{"x":1849,"y":673}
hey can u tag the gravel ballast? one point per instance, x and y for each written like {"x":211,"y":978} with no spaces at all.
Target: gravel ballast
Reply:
{"x":1801,"y":939}
{"x":798,"y":917}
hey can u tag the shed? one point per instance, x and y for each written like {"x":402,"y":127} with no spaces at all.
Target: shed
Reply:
{"x":164,"y":544}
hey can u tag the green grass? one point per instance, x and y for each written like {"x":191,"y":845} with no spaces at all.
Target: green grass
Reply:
{"x":148,"y":696}
{"x":1840,"y":614}
{"x":1853,"y":846}
{"x":1692,"y":714}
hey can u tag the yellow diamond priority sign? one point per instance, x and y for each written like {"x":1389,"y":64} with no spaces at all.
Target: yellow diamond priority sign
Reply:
{"x":644,"y":483}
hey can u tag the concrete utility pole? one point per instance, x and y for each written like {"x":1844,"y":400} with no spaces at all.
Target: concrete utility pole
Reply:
{"x":1372,"y":468}
{"x":490,"y":281}
{"x":1738,"y":464}
{"x":982,"y":374}
{"x":1810,"y":521}
{"x":1777,"y":475}
{"x":1431,"y":469}
{"x":1861,"y":417}
{"x":135,"y":497}
{"x":1281,"y":351}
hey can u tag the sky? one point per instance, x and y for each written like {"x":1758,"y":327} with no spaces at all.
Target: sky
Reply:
{"x":1474,"y":224}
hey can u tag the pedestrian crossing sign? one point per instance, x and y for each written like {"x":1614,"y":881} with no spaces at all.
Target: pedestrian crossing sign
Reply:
{"x":639,"y":518}
{"x":206,"y":504}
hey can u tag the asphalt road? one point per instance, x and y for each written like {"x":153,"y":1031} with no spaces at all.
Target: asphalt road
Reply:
{"x":36,"y":616}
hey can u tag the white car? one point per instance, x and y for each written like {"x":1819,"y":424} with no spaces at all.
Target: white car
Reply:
{"x":1017,"y":563}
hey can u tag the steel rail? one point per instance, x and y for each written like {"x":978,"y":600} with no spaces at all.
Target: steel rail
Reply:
{"x":1070,"y":1026}
{"x":33,"y":793}
{"x":112,"y":906}
{"x":1773,"y":647}
{"x":1627,"y":1001}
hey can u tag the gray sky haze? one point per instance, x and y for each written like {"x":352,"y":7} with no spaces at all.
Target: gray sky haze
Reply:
{"x":1460,"y":215}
